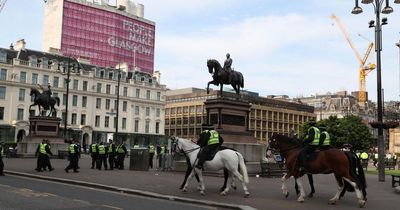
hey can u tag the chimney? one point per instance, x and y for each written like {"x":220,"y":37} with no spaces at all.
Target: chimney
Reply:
{"x":20,"y":45}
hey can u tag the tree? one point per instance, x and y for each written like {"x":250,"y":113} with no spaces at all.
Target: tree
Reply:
{"x":347,"y":130}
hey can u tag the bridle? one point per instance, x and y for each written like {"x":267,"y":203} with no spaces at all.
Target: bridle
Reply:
{"x":175,"y":145}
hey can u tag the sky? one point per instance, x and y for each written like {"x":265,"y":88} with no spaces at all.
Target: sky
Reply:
{"x":281,"y":47}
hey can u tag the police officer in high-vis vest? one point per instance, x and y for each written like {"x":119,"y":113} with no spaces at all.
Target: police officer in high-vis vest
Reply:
{"x":151,"y":155}
{"x":209,"y":142}
{"x":73,"y":151}
{"x":310,"y":143}
{"x":1,"y":160}
{"x":324,"y":139}
{"x":111,"y":154}
{"x":102,"y":156}
{"x":94,"y":153}
{"x":121,"y":153}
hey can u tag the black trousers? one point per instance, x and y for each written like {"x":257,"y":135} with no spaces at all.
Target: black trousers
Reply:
{"x":47,"y":163}
{"x":102,"y":160}
{"x":120,"y":160}
{"x":111,"y":160}
{"x":94,"y":156}
{"x":151,"y":156}
{"x":73,"y":163}
{"x":205,"y":153}
{"x":1,"y":166}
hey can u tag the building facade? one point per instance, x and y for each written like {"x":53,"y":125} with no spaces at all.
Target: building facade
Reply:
{"x":92,"y":97}
{"x":105,"y":35}
{"x":185,"y":112}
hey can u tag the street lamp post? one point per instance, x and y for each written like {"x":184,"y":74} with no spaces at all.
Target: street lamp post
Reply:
{"x":378,"y":48}
{"x":398,"y":45}
{"x":117,"y":105}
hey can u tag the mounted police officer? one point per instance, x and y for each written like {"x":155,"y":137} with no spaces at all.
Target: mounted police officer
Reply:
{"x":324,"y":139}
{"x":209,"y":143}
{"x":310,"y":143}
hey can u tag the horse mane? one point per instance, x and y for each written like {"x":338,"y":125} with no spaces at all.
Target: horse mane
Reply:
{"x":189,"y":141}
{"x":287,"y":139}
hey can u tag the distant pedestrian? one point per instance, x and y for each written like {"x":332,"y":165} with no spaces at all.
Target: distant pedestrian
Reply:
{"x":94,"y":153}
{"x":111,"y":154}
{"x":102,"y":156}
{"x":73,"y":151}
{"x":160,"y":156}
{"x":151,"y":155}
{"x":1,"y":160}
{"x":121,"y":153}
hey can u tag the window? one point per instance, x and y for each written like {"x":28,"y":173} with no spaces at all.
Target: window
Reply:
{"x":85,"y":85}
{"x":84,"y":101}
{"x":74,"y":100}
{"x":3,"y":92}
{"x":157,"y":127}
{"x":20,"y":114}
{"x":148,"y":94}
{"x":137,"y":110}
{"x":63,"y":118}
{"x":124,"y":106}
{"x":3,"y":74}
{"x":65,"y":83}
{"x":137,"y":93}
{"x":34,"y":79}
{"x":158,"y":96}
{"x":98,"y":103}
{"x":21,"y":95}
{"x":158,"y":112}
{"x":98,"y":88}
{"x":45,"y":80}
{"x":83,"y":119}
{"x":106,"y":121}
{"x":146,"y":127}
{"x":22,"y":77}
{"x":147,"y":111}
{"x":1,"y":113}
{"x":75,"y":85}
{"x":97,"y":121}
{"x":136,"y":129}
{"x":116,"y":104}
{"x":123,"y":123}
{"x":125,"y":91}
{"x":56,"y":81}
{"x":107,"y":104}
{"x":108,"y":89}
{"x":64,"y":99}
{"x":73,"y":119}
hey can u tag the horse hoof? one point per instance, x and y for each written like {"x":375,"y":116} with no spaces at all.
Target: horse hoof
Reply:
{"x":202,"y":193}
{"x":246,"y":194}
{"x":361,"y":203}
{"x":332,"y":202}
{"x":300,"y":200}
{"x":184,"y":190}
{"x":223,"y":193}
{"x":286,"y":194}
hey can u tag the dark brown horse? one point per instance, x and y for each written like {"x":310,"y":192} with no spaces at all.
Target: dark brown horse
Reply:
{"x":327,"y":161}
{"x":221,"y":77}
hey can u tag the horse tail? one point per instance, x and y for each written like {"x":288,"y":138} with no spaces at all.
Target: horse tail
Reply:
{"x":242,"y":167}
{"x":58,"y":100}
{"x":357,"y":172}
{"x":242,"y":80}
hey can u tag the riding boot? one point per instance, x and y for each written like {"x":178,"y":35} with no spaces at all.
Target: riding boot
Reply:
{"x":200,"y":163}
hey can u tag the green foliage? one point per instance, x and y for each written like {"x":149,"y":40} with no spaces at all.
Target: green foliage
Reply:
{"x":347,"y":130}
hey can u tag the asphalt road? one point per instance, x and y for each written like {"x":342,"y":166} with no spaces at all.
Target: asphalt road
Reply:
{"x":24,"y":193}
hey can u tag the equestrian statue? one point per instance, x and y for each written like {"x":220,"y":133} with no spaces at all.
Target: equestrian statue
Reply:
{"x":44,"y":100}
{"x":224,"y":75}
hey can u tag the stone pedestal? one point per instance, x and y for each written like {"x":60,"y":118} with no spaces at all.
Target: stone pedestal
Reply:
{"x":230,"y":118}
{"x":42,"y":128}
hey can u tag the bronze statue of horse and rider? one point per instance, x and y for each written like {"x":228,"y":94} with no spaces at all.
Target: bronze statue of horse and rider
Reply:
{"x":44,"y":100}
{"x":224,"y":75}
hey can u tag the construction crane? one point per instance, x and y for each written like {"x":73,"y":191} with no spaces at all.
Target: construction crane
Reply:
{"x":364,"y":70}
{"x":2,"y":3}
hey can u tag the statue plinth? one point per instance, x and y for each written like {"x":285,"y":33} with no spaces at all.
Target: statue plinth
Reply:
{"x":230,"y":118}
{"x":40,"y":128}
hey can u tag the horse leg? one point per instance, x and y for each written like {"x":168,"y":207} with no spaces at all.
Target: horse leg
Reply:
{"x":296,"y":187}
{"x":301,"y":189}
{"x":192,"y":173}
{"x":220,"y":88}
{"x":208,"y":87}
{"x":227,"y":188}
{"x":361,"y":201}
{"x":284,"y":187}
{"x":226,"y":176}
{"x":199,"y":173}
{"x":311,"y":181}
{"x":339,"y":180}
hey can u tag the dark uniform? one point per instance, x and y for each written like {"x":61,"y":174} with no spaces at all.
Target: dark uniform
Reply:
{"x":102,"y":156}
{"x":47,"y":162}
{"x":94,"y":153}
{"x":73,"y":151}
{"x":121,"y":153}
{"x":310,"y":143}
{"x":151,"y":155}
{"x":324,"y":140}
{"x":1,"y":161}
{"x":43,"y":160}
{"x":209,"y":142}
{"x":111,"y":155}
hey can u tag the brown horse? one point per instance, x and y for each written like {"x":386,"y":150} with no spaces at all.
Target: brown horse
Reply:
{"x":327,"y":161}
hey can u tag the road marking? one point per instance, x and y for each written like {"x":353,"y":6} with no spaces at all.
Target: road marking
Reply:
{"x":3,"y":185}
{"x":113,"y":207}
{"x":81,"y":201}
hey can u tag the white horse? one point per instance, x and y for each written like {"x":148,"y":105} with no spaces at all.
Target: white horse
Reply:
{"x":227,"y":158}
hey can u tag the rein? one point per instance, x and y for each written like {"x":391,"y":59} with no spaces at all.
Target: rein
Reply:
{"x":190,"y":150}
